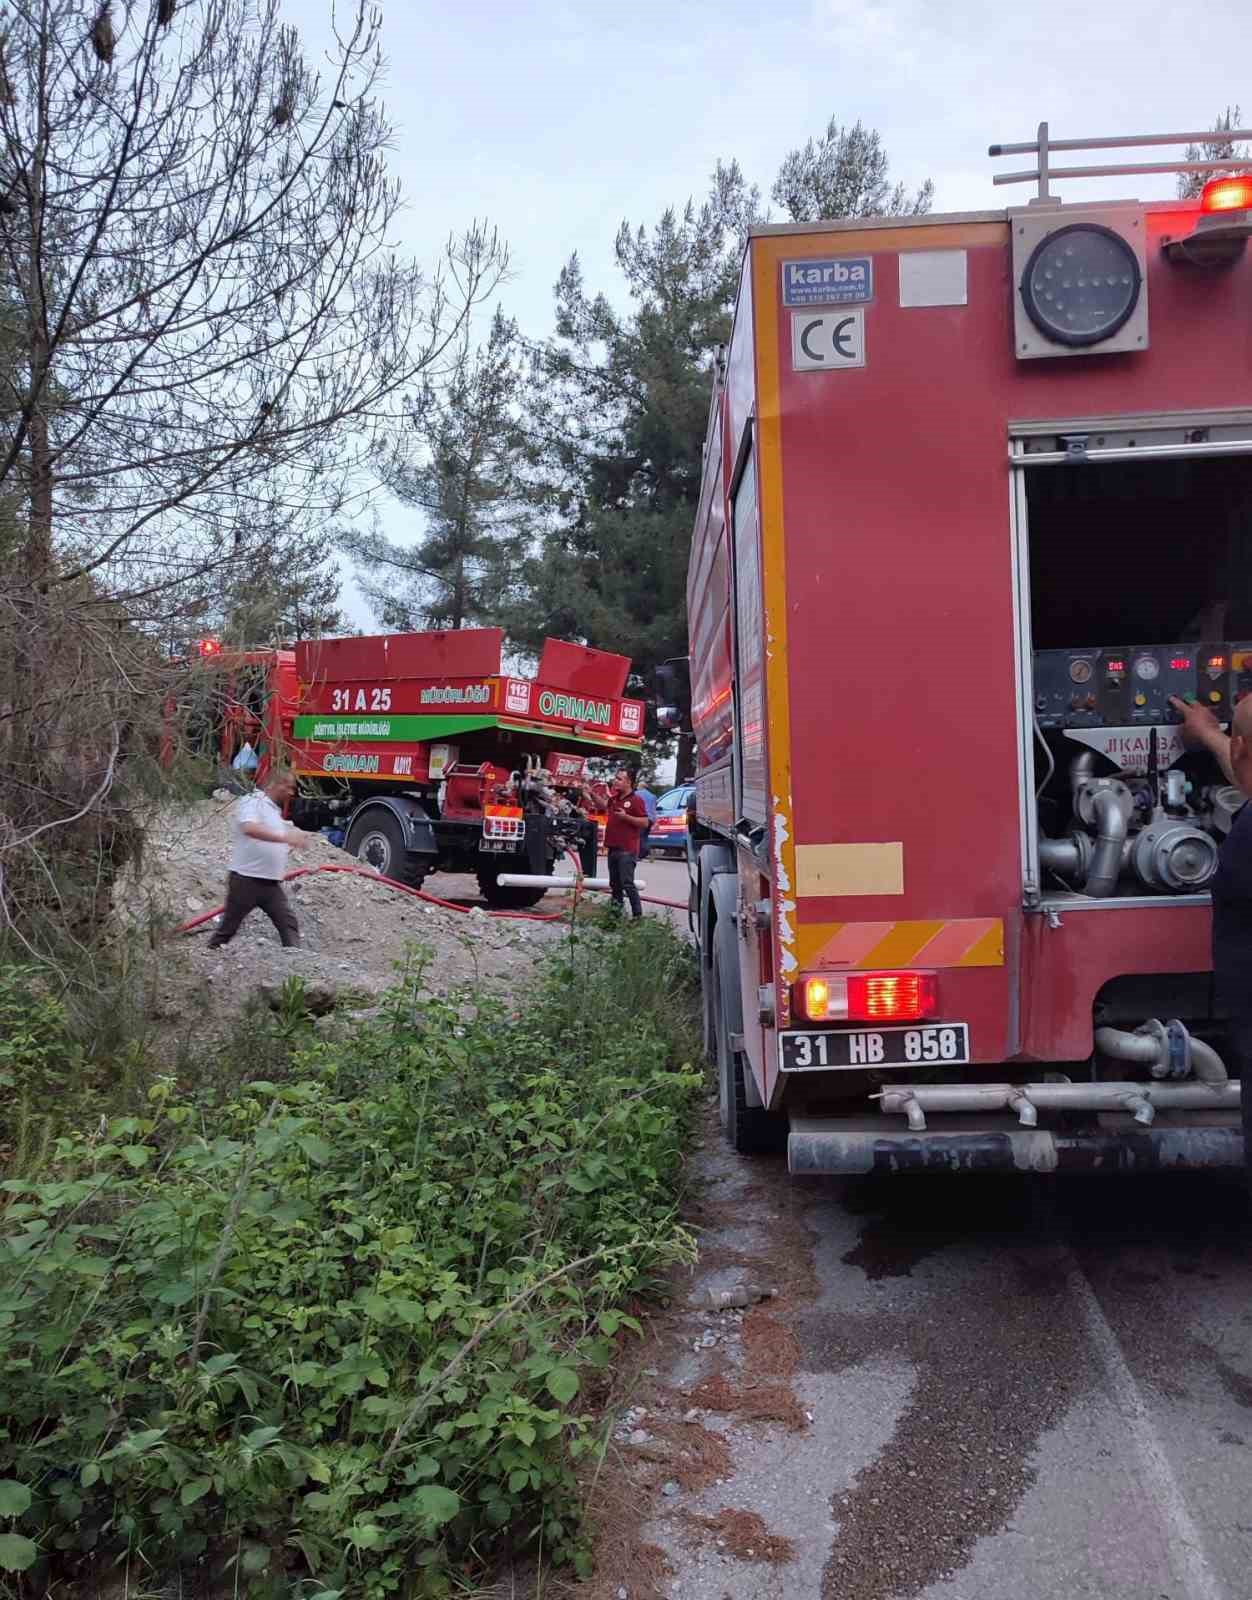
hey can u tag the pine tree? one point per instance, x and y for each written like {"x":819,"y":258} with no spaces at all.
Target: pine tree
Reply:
{"x":462,"y":466}
{"x":844,"y":174}
{"x":286,"y":591}
{"x":1217,"y":148}
{"x":621,"y":406}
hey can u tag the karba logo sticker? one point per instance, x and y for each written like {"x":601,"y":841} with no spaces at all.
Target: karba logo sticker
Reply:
{"x":833,"y":281}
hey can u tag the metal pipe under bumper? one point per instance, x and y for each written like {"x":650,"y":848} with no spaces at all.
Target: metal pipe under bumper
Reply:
{"x":1142,"y":1100}
{"x":1207,"y":1065}
{"x":1149,"y":1046}
{"x":822,"y":1145}
{"x":1141,"y":1048}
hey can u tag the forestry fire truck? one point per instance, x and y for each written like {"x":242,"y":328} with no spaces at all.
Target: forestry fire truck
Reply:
{"x":425,"y":755}
{"x":977,"y":502}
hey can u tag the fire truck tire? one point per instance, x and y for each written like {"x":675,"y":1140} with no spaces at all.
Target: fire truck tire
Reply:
{"x":506,"y":897}
{"x":749,"y":1130}
{"x":377,"y":840}
{"x":711,"y":862}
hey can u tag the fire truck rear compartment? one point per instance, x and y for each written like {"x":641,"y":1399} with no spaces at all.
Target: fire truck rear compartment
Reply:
{"x":1125,"y":562}
{"x":1140,"y":588}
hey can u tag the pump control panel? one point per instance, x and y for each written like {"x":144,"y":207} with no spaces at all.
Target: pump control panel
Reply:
{"x":1124,"y":686}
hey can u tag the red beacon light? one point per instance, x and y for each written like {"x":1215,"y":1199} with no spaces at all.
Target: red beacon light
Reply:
{"x":209,"y":647}
{"x":1232,"y":193}
{"x":1221,"y":230}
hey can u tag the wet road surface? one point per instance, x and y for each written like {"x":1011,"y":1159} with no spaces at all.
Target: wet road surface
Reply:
{"x":1016,"y":1391}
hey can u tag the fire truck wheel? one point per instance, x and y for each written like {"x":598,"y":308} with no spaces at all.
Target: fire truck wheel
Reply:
{"x":506,"y":897}
{"x":749,"y":1130}
{"x":377,"y":841}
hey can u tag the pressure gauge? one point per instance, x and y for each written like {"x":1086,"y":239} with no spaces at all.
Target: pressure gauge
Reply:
{"x":1147,"y":668}
{"x":1080,"y":670}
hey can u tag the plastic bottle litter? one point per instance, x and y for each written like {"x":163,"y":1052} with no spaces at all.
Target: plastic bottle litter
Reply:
{"x":747,"y":1294}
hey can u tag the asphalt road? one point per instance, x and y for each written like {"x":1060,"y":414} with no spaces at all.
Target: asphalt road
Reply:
{"x":1015,"y":1392}
{"x":667,"y":880}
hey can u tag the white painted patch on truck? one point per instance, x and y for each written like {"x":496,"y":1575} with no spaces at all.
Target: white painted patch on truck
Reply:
{"x":784,"y":905}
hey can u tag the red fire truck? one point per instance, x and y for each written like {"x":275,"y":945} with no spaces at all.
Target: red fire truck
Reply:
{"x":423,"y":754}
{"x":977,"y":502}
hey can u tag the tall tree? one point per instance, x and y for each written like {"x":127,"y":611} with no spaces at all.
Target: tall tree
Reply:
{"x":285,"y":589}
{"x":204,"y":331}
{"x":194,"y":250}
{"x":462,"y":464}
{"x":844,"y":174}
{"x":1218,"y":148}
{"x":621,"y":405}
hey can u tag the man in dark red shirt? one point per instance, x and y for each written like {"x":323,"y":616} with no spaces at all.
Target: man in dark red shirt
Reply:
{"x":627,"y":824}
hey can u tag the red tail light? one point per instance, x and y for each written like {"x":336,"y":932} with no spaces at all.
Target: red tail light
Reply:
{"x":1228,"y":194}
{"x":892,"y":996}
{"x":867,"y":997}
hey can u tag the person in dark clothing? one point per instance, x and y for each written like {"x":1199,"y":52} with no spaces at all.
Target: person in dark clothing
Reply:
{"x":627,"y":824}
{"x":1232,"y":889}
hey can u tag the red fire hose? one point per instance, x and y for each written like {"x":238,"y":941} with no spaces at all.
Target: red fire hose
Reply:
{"x":434,"y":900}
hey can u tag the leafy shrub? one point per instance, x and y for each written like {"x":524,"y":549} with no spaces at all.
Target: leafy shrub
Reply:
{"x":333,"y":1334}
{"x":39,"y":1061}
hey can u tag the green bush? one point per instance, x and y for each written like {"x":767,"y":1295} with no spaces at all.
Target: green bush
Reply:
{"x":40,"y":1063}
{"x":333,"y":1334}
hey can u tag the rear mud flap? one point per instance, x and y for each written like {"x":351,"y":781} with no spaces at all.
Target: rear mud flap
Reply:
{"x":816,"y":1147}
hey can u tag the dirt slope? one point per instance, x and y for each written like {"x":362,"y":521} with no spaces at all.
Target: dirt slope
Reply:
{"x":354,"y":930}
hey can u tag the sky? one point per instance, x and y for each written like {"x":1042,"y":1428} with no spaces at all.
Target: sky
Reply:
{"x":554,"y":121}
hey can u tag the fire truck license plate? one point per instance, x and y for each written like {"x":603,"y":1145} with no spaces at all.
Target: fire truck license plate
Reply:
{"x":944,"y":1043}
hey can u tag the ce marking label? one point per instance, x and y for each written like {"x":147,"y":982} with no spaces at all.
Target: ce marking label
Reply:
{"x":827,"y":340}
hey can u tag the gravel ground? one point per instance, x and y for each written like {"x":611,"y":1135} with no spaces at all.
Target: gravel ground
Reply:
{"x":353,"y":931}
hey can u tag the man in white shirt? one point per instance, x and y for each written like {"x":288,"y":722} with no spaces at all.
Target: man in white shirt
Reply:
{"x":258,"y":861}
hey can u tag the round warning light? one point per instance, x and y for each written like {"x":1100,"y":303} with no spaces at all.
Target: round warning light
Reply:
{"x":1233,"y":193}
{"x":1081,"y":284}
